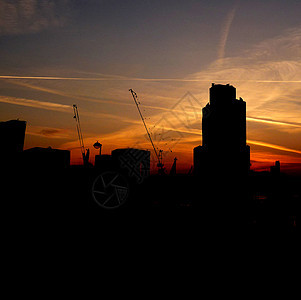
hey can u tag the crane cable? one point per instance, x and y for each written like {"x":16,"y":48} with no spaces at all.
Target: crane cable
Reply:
{"x":78,"y":128}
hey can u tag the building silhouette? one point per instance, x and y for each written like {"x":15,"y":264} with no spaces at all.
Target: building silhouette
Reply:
{"x":45,"y":159}
{"x":224,"y":149}
{"x":275,"y":170}
{"x":12,"y":135}
{"x":134,"y":162}
{"x":103,"y":161}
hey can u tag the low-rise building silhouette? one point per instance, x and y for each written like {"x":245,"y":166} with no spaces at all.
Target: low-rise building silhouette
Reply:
{"x":275,"y":170}
{"x":224,"y":149}
{"x":135,"y":162}
{"x":45,"y":159}
{"x":103,"y":162}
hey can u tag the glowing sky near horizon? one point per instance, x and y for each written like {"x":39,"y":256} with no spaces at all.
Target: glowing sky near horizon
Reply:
{"x":57,"y":53}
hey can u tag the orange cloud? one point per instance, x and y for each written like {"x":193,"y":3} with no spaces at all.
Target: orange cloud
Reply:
{"x":49,"y":132}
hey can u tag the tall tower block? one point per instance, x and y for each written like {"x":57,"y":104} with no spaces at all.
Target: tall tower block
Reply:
{"x":224,"y":149}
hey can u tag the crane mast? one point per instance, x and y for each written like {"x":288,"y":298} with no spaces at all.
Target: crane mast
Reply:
{"x":158,"y":155}
{"x":80,"y":136}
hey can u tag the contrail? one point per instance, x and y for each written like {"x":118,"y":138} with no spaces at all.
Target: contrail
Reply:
{"x":272,"y":146}
{"x":56,"y":106}
{"x":92,"y":99}
{"x":273,"y":122}
{"x":61,"y":108}
{"x":108,"y":78}
{"x":225,"y":33}
{"x":119,"y":78}
{"x":36,"y":104}
{"x":66,"y":94}
{"x":84,"y":98}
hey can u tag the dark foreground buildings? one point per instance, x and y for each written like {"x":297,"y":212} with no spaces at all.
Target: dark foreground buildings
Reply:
{"x":12,"y":135}
{"x":224,"y":150}
{"x":135,"y":162}
{"x":47,"y":159}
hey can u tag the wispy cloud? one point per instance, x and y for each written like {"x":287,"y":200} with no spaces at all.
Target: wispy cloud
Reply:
{"x":225,"y":33}
{"x":30,"y":16}
{"x":24,"y":83}
{"x":36,"y":104}
{"x":49,"y":132}
{"x":267,"y":76}
{"x":62,"y":108}
{"x":274,"y":122}
{"x":125,"y":78}
{"x":272,"y":146}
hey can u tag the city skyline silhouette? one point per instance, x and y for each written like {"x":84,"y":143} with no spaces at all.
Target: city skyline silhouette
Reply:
{"x":211,"y":140}
{"x":219,"y":96}
{"x":183,"y":47}
{"x":221,"y":189}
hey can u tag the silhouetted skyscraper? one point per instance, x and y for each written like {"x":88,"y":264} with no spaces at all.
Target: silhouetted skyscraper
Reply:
{"x":12,"y":135}
{"x":224,"y":148}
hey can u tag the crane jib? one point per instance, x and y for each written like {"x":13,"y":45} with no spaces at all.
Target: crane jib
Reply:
{"x":150,"y":138}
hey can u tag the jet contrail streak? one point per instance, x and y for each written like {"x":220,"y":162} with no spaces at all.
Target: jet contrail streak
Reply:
{"x":225,"y":33}
{"x":35,"y":103}
{"x":274,"y":122}
{"x":90,"y":99}
{"x":119,"y":78}
{"x":272,"y":146}
{"x":60,"y":107}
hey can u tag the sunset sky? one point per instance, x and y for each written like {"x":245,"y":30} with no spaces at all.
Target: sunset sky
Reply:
{"x":56,"y":53}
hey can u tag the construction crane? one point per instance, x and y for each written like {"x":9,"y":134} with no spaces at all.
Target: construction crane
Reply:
{"x":85,"y":153}
{"x":173,"y":170}
{"x":159,"y":155}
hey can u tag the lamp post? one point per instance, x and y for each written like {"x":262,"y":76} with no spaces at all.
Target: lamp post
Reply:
{"x":97,"y":145}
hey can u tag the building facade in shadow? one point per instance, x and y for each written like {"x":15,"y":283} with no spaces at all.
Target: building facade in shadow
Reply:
{"x":12,"y":135}
{"x":46,"y":159}
{"x":224,"y":150}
